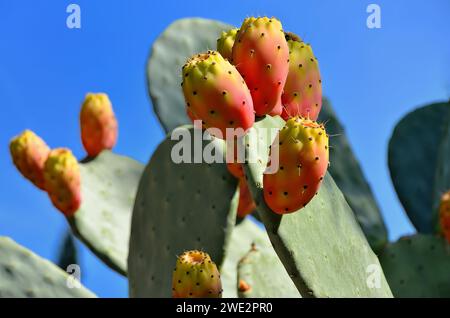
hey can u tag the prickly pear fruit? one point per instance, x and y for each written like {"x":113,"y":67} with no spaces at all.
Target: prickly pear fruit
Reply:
{"x":302,"y":94}
{"x":444,"y":215}
{"x":29,"y":153}
{"x":196,"y":276}
{"x":225,"y":43}
{"x":302,"y":146}
{"x":246,"y":204}
{"x":98,"y":124}
{"x":216,"y":93}
{"x":62,"y":180}
{"x":261,"y":55}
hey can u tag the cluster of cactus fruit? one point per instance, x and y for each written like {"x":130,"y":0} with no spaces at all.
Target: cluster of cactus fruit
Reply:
{"x":323,"y":227}
{"x":56,"y":171}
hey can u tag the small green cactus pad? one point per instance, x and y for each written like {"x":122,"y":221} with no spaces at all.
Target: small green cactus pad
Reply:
{"x":321,"y":246}
{"x":442,"y":176}
{"x":109,"y":185}
{"x":24,"y":274}
{"x":242,"y":237}
{"x":182,"y":39}
{"x":179,"y":207}
{"x":349,"y":177}
{"x":418,"y":266}
{"x":412,"y":159}
{"x":264,"y":276}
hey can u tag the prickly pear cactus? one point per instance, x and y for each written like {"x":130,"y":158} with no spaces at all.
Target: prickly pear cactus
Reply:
{"x":179,"y":206}
{"x":244,"y":234}
{"x":262,"y":275}
{"x":175,"y":45}
{"x":347,"y":173}
{"x":417,"y":266}
{"x":24,"y":274}
{"x":109,"y":186}
{"x":413,"y":162}
{"x":317,"y":241}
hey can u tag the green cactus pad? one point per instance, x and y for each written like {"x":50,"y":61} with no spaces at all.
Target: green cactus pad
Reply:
{"x":412,"y":159}
{"x":242,"y":237}
{"x":109,"y":184}
{"x":178,"y":207}
{"x":182,"y":39}
{"x":350,"y":179}
{"x":24,"y":274}
{"x":418,"y":266}
{"x":321,"y":246}
{"x":265,"y":276}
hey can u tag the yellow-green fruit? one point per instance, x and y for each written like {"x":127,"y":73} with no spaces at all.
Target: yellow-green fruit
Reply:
{"x":225,"y":43}
{"x":196,"y":276}
{"x":98,"y":124}
{"x":29,"y":153}
{"x":62,"y":180}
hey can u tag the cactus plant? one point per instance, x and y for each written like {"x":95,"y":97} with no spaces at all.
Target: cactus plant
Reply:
{"x":420,"y":133}
{"x":243,"y":236}
{"x":417,"y":266}
{"x":173,"y":203}
{"x":109,"y":185}
{"x":317,"y":250}
{"x":25,"y":274}
{"x":317,"y":241}
{"x":348,"y":175}
{"x":262,"y":275}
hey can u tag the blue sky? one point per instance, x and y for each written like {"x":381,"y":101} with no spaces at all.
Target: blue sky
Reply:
{"x":372,"y":77}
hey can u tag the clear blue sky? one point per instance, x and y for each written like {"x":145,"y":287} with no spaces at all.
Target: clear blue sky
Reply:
{"x":372,"y":77}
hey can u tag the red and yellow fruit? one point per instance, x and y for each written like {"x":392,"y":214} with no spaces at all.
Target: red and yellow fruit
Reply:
{"x":196,"y":276}
{"x":62,"y":180}
{"x":261,"y":55}
{"x":98,"y":124}
{"x":302,"y":146}
{"x":302,"y":94}
{"x":246,"y":204}
{"x":216,"y":93}
{"x":29,"y":153}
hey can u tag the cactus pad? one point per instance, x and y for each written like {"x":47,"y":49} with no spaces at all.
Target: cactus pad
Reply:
{"x":179,"y":41}
{"x":24,"y":274}
{"x":262,"y":275}
{"x":417,"y":266}
{"x":321,"y":246}
{"x":350,"y":179}
{"x":178,"y":207}
{"x":108,"y":184}
{"x":412,"y":158}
